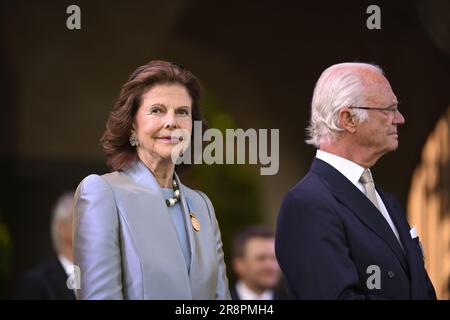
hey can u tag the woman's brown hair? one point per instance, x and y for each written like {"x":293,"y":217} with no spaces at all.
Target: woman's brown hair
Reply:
{"x":115,"y":140}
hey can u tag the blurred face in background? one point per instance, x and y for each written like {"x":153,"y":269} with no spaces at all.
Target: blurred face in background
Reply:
{"x":258,"y":267}
{"x":62,"y":225}
{"x":65,"y":230}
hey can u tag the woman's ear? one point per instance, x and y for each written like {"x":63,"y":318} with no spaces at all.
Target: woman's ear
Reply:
{"x":347,"y":120}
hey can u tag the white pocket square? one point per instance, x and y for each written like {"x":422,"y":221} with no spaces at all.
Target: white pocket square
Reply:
{"x":413,"y":233}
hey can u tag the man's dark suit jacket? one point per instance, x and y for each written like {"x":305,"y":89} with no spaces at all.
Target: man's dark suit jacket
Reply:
{"x":329,"y":233}
{"x":45,"y":282}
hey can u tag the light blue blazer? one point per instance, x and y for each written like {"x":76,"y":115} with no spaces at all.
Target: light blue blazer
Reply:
{"x":126,"y":246}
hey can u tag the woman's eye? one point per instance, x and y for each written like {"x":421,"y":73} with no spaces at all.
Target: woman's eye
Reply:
{"x":155,"y":111}
{"x":183,"y":112}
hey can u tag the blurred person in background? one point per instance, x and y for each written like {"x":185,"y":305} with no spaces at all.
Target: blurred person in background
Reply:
{"x":256,"y":267}
{"x":49,"y":280}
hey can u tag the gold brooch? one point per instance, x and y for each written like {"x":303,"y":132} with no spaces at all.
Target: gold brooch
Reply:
{"x":195,"y":222}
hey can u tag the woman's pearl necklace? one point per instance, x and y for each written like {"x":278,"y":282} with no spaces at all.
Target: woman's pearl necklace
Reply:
{"x":176,"y":194}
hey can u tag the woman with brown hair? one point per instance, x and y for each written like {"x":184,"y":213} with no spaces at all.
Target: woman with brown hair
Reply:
{"x":139,"y":233}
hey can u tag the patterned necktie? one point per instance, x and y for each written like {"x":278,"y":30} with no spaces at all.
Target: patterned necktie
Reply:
{"x":367,"y":182}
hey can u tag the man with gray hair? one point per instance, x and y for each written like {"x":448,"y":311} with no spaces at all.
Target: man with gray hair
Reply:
{"x":49,"y":280}
{"x":338,"y":235}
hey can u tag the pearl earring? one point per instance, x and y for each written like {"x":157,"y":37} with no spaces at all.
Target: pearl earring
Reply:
{"x":134,"y":140}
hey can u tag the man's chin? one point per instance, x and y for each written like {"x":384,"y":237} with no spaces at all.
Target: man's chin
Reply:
{"x":394,"y":146}
{"x":269,"y":284}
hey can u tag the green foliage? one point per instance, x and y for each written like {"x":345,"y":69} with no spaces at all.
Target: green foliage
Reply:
{"x":233,"y":189}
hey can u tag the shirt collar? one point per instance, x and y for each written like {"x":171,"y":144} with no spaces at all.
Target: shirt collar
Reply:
{"x":245,"y":293}
{"x":142,"y":175}
{"x":351,"y":170}
{"x":66,"y":263}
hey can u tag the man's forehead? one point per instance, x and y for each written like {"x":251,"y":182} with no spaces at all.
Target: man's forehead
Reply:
{"x":372,"y":77}
{"x":378,"y":90}
{"x":257,"y":242}
{"x":380,"y":99}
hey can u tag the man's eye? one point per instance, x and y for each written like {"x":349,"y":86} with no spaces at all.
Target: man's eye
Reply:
{"x":394,"y":109}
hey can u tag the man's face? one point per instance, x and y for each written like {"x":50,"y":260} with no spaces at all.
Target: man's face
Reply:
{"x":379,"y":134}
{"x":258,"y":267}
{"x":65,"y":229}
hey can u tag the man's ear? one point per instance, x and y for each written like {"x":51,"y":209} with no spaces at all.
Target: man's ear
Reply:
{"x":347,"y":120}
{"x":237,"y":266}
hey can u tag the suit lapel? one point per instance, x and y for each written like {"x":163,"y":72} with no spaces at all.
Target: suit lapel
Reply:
{"x":154,"y":235}
{"x":58,"y":280}
{"x":349,"y":195}
{"x":186,"y":206}
{"x":415,"y":271}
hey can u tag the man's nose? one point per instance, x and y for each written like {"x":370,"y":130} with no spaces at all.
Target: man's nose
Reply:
{"x":399,"y":119}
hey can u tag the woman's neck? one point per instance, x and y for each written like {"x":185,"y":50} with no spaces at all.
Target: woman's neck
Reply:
{"x":162,"y":170}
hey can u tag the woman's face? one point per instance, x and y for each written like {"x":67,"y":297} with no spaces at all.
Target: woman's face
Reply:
{"x":164,"y":110}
